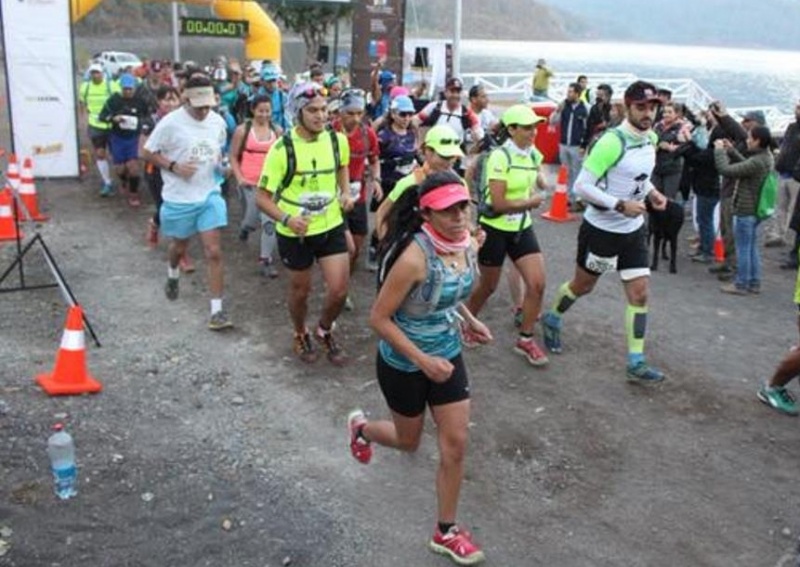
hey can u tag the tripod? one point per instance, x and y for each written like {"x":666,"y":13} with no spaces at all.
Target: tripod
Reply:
{"x":19,"y":263}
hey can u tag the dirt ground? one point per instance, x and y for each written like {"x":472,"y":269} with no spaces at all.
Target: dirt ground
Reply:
{"x":220,"y":450}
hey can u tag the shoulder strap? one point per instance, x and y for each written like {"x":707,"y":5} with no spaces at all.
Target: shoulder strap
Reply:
{"x":291,"y":164}
{"x":465,"y":123}
{"x":433,"y":118}
{"x":337,"y":158}
{"x":624,"y":142}
{"x":248,"y":125}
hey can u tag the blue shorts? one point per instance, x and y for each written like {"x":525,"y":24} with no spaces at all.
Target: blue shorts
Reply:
{"x":123,"y":149}
{"x":183,"y":220}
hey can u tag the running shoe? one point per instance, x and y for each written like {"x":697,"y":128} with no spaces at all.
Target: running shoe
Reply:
{"x":528,"y":348}
{"x":106,"y":190}
{"x":152,"y":233}
{"x":360,"y":448}
{"x":458,"y":545}
{"x":348,"y":304}
{"x":303,"y":347}
{"x":171,"y":289}
{"x":779,"y":399}
{"x":642,"y":372}
{"x":219,"y":321}
{"x":268,"y":269}
{"x":733,"y":289}
{"x":551,"y":331}
{"x":372,"y":259}
{"x":186,"y":264}
{"x":335,"y":353}
{"x":244,"y":234}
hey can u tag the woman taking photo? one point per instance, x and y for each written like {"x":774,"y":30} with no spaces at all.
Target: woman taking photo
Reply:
{"x":249,"y":146}
{"x":428,"y":269}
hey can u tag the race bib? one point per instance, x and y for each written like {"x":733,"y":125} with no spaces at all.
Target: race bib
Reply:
{"x":129,"y":122}
{"x":355,"y":189}
{"x":314,"y":204}
{"x":601,"y":265}
{"x":514,"y":217}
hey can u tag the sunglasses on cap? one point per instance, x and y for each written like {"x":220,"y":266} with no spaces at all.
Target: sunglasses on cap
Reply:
{"x":360,"y":93}
{"x":310,"y":92}
{"x":405,"y":114}
{"x":447,"y":142}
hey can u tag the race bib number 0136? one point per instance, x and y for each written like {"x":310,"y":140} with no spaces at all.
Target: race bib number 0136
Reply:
{"x":601,"y":265}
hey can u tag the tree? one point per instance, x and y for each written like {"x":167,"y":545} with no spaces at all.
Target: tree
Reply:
{"x":310,"y":20}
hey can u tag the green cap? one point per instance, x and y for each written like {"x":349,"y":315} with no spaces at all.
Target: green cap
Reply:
{"x":520,"y":115}
{"x":444,"y":141}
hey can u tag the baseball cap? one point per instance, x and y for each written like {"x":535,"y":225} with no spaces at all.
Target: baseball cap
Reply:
{"x":454,"y":83}
{"x":756,"y":116}
{"x":127,"y":81}
{"x":444,"y":196}
{"x":444,"y":141}
{"x":386,"y":77}
{"x":270,"y":73}
{"x":640,"y":91}
{"x":95,"y":68}
{"x":201,"y":96}
{"x":398,"y":91}
{"x":402,"y":103}
{"x":520,"y":115}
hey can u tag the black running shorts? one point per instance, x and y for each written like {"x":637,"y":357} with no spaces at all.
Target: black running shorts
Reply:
{"x":300,"y":253}
{"x":500,"y":243}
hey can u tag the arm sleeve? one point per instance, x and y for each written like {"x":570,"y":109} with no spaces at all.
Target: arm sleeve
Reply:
{"x":586,"y":187}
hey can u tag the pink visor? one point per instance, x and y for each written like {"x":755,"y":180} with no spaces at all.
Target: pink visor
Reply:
{"x":444,"y":197}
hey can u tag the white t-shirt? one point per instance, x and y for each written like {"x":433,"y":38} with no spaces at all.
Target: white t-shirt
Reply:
{"x":181,"y":138}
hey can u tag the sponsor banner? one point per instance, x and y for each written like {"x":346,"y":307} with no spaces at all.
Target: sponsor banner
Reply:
{"x":378,"y":35}
{"x":37,"y":41}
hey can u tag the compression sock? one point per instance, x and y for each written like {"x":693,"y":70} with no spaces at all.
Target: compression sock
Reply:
{"x":444,"y":527}
{"x":104,"y":169}
{"x":173,"y":273}
{"x":133,"y":183}
{"x":635,"y":327}
{"x":216,"y":305}
{"x":564,"y":300}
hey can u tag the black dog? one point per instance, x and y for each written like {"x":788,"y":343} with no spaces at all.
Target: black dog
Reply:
{"x":663,"y":227}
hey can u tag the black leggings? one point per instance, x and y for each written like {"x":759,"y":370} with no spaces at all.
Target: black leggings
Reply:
{"x":155,"y":183}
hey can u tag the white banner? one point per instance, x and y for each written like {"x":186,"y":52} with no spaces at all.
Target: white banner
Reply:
{"x":37,"y":41}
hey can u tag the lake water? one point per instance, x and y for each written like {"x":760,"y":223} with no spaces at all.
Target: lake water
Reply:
{"x":739,"y":77}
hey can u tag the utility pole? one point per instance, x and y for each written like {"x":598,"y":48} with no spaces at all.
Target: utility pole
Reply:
{"x":457,"y":42}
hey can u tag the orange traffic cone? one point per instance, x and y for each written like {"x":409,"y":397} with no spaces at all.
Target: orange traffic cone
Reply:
{"x":8,"y":227}
{"x":12,"y":173}
{"x":719,"y":250}
{"x":558,"y":207}
{"x":70,"y":375}
{"x":27,"y":192}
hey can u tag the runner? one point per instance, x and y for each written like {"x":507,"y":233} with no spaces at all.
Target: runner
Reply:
{"x":419,"y":359}
{"x":126,"y":113}
{"x":168,"y":99}
{"x":615,"y":182}
{"x":305,"y":187}
{"x":512,"y":179}
{"x":398,"y":152}
{"x":249,"y":146}
{"x":440,"y":151}
{"x":187,"y":146}
{"x":93,"y":96}
{"x":364,"y":181}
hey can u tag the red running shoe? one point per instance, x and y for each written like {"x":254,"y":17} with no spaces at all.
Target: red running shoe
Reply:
{"x":359,"y":447}
{"x":531,"y":351}
{"x":458,"y":545}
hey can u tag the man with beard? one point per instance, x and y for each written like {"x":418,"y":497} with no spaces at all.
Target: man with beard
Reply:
{"x":615,"y":182}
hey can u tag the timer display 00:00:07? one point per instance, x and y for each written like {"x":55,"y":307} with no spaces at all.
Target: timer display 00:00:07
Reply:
{"x":215,"y":28}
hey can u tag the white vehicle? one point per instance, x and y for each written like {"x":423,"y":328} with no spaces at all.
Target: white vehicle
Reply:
{"x":114,"y":61}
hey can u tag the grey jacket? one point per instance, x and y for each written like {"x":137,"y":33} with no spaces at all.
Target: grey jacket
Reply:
{"x":749,"y":172}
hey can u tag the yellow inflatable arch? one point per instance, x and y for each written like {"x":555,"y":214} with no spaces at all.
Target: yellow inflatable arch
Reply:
{"x":263,"y":41}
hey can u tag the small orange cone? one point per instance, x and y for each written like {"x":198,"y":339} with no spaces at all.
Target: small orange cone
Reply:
{"x":12,"y":174}
{"x":558,"y":207}
{"x":70,"y":375}
{"x":719,"y":250}
{"x":8,"y":228}
{"x":27,"y":192}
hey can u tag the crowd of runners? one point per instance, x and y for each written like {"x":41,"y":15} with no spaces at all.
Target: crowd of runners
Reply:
{"x":436,"y":197}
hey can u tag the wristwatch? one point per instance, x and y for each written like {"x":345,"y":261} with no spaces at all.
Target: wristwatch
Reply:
{"x":620,"y":206}
{"x":171,"y":166}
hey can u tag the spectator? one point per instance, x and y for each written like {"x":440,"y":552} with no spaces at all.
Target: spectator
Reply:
{"x":541,"y":79}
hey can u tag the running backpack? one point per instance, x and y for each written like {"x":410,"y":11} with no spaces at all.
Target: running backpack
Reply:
{"x":479,"y":181}
{"x":437,"y":112}
{"x":248,"y":125}
{"x":767,"y":195}
{"x":291,"y":162}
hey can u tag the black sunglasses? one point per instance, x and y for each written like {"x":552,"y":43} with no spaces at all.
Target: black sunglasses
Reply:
{"x":406,"y":114}
{"x":448,"y":142}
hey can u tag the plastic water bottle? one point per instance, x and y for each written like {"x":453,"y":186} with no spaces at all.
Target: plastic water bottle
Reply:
{"x":61,"y":450}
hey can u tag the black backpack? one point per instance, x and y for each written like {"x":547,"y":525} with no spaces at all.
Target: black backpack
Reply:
{"x":437,"y":112}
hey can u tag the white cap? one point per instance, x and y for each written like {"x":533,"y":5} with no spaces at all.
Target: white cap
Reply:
{"x":95,"y":67}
